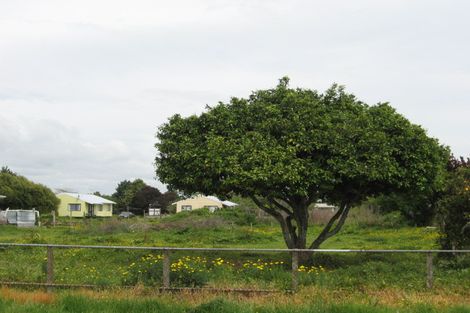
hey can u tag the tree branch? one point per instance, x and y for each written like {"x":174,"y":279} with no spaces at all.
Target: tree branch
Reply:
{"x":342,"y":214}
{"x":280,"y":206}
{"x":288,"y":231}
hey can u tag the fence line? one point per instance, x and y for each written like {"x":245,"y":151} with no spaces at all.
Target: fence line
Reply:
{"x":63,"y":246}
{"x":167,"y":261}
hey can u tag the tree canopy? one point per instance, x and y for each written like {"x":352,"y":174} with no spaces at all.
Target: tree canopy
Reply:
{"x":145,"y":197}
{"x":137,"y":196}
{"x":288,"y":148}
{"x":126,"y":190}
{"x":22,"y":193}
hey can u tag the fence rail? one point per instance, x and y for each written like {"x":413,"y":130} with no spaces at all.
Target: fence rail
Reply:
{"x":166,"y":251}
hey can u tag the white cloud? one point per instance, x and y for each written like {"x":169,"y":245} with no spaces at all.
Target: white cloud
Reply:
{"x":102,"y":75}
{"x":57,"y":155}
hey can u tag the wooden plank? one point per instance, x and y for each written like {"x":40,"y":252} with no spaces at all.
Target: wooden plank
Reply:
{"x":166,"y":268}
{"x":429,"y":270}
{"x":50,"y":267}
{"x":295,"y":270}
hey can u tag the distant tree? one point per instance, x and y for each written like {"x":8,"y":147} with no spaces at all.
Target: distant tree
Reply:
{"x":287,"y":148}
{"x":456,"y":163}
{"x":145,"y":197}
{"x":7,"y":170}
{"x":126,"y":190}
{"x":23,"y":194}
{"x":417,"y":207}
{"x":166,"y":199}
{"x":120,"y":192}
{"x":454,"y":206}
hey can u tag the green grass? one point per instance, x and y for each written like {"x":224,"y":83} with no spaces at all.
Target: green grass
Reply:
{"x":222,"y":229}
{"x":79,"y":304}
{"x":233,"y":228}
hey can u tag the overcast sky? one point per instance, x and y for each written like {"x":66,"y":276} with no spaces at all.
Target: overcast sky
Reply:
{"x":85,"y":84}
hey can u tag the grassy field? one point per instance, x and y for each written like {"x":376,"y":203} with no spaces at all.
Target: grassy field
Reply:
{"x":308,"y":300}
{"x":364,"y":282}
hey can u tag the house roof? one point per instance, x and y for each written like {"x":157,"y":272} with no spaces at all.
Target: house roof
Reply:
{"x":213,"y":198}
{"x":226,"y":203}
{"x":1,"y":197}
{"x":91,"y":199}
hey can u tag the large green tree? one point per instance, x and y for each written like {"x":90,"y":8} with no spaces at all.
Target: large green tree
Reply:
{"x":22,"y":193}
{"x":287,"y":148}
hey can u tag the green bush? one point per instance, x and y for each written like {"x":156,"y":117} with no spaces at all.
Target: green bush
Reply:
{"x":454,"y":210}
{"x":23,"y":194}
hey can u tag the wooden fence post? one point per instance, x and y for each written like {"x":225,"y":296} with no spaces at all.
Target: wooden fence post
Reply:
{"x":429,"y":268}
{"x":50,"y":268}
{"x":295,"y":268}
{"x":166,"y":268}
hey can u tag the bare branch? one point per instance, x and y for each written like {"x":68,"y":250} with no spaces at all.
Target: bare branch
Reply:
{"x":280,"y":206}
{"x":288,"y":231}
{"x":326,"y":233}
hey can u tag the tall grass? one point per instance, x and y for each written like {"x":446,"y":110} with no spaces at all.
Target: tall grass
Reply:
{"x":81,"y":304}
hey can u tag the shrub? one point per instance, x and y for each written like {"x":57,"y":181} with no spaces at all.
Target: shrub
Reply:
{"x":454,"y":210}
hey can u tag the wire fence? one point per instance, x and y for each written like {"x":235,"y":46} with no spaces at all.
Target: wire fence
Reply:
{"x":232,"y":269}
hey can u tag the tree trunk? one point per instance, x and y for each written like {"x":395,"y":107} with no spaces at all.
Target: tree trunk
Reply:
{"x":294,"y":224}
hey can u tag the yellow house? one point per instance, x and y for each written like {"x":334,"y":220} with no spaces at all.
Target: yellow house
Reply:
{"x":81,"y":205}
{"x":199,"y":202}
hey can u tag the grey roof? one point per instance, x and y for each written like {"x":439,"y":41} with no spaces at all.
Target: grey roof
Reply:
{"x":213,"y":198}
{"x":91,"y":199}
{"x":226,"y":203}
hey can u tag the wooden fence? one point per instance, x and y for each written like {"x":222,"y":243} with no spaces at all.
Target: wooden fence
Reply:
{"x":166,"y":252}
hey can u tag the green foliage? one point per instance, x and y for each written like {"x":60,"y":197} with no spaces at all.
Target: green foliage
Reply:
{"x":286,"y":148}
{"x":454,"y":210}
{"x":21,"y":193}
{"x":121,"y":190}
{"x":416,"y":208}
{"x":144,"y":197}
{"x":296,"y":139}
{"x":138,"y":195}
{"x":126,"y":191}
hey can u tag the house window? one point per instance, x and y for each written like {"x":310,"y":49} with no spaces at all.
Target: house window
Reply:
{"x":74,"y":207}
{"x":100,"y":208}
{"x":186,"y":207}
{"x":212,"y":208}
